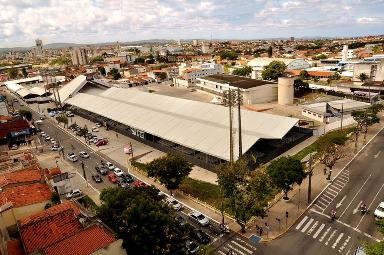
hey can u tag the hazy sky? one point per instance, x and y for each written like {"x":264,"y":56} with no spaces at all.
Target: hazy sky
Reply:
{"x":89,"y":21}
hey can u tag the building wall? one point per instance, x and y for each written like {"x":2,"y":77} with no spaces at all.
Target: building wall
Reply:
{"x":313,"y":115}
{"x":114,"y":248}
{"x":178,"y":82}
{"x":260,"y":94}
{"x":19,"y":213}
{"x":79,"y":57}
{"x":374,"y":70}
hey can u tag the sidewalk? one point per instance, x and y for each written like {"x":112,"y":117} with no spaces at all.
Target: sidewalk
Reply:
{"x":298,"y":203}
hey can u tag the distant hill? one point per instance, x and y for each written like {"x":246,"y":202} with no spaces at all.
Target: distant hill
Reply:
{"x":62,"y":45}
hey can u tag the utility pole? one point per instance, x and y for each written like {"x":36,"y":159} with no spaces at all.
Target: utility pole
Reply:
{"x":239,"y":101}
{"x":310,"y":173}
{"x":342,"y":115}
{"x":228,"y":99}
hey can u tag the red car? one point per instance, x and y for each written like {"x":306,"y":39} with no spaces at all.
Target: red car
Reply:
{"x":102,"y":142}
{"x":138,"y":184}
{"x":112,"y":178}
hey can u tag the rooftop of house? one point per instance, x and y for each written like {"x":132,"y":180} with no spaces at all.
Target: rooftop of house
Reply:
{"x":82,"y":243}
{"x":44,"y":231}
{"x":25,"y":195}
{"x":14,"y":247}
{"x":236,"y":81}
{"x":26,"y":175}
{"x":51,"y":212}
{"x":14,"y":125}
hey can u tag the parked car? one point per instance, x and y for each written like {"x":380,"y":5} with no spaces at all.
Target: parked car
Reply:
{"x":181,"y":220}
{"x":200,"y":236}
{"x":14,"y":147}
{"x":39,"y":122}
{"x":72,"y":157}
{"x":83,"y":154}
{"x":112,"y":178}
{"x":174,"y":204}
{"x":192,"y":247}
{"x":97,"y":178}
{"x":127,"y":177}
{"x":56,"y":147}
{"x":109,"y":165}
{"x":74,"y":193}
{"x":199,"y":218}
{"x":98,"y":125}
{"x":101,"y":169}
{"x":138,"y":184}
{"x":122,"y":182}
{"x":118,"y":171}
{"x":95,"y":129}
{"x":379,"y":212}
{"x":102,"y":142}
{"x":47,"y":138}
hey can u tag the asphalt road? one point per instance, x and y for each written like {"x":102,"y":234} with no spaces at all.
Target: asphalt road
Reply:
{"x":361,"y":181}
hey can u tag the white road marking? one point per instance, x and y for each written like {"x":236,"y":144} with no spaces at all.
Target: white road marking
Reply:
{"x":322,"y":203}
{"x":306,"y":226}
{"x":319,"y":230}
{"x":245,"y":243}
{"x":334,"y":187}
{"x":357,"y":208}
{"x":337,"y":241}
{"x":338,"y":185}
{"x":301,"y":222}
{"x":321,"y":208}
{"x":222,"y":253}
{"x":344,"y":244}
{"x":332,"y":192}
{"x":242,"y":247}
{"x":377,"y":155}
{"x":344,"y":178}
{"x":330,"y":237}
{"x":325,"y":198}
{"x":341,"y":215}
{"x":341,"y":202}
{"x":338,"y":181}
{"x":370,"y":205}
{"x":325,"y":233}
{"x":236,"y":250}
{"x":312,"y":228}
{"x":331,"y":198}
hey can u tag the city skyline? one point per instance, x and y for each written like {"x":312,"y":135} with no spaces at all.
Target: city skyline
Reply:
{"x":97,"y":21}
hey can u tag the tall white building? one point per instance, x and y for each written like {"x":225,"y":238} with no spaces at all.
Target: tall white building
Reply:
{"x":79,"y":57}
{"x":344,"y":53}
{"x":39,"y":47}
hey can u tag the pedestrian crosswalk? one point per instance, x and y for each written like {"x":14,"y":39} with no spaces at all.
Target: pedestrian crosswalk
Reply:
{"x":236,"y":246}
{"x":326,"y":234}
{"x":331,"y":192}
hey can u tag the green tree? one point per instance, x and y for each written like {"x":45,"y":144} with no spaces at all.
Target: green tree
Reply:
{"x":102,"y":71}
{"x":13,"y":73}
{"x":376,"y":248}
{"x":304,"y":75}
{"x":366,"y":118}
{"x":245,"y":193}
{"x":24,"y":72}
{"x":162,"y":75}
{"x":230,"y":55}
{"x":145,"y":224}
{"x":300,"y":87}
{"x":274,"y":70}
{"x":285,"y":172}
{"x":336,"y":76}
{"x":115,"y":73}
{"x":62,"y":119}
{"x":170,"y":169}
{"x":244,"y":71}
{"x":96,"y":59}
{"x":61,"y":61}
{"x":26,"y":114}
{"x":363,"y":77}
{"x":269,"y":51}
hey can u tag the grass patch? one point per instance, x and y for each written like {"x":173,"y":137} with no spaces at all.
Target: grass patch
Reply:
{"x":88,"y":203}
{"x":204,"y":191}
{"x":141,"y":166}
{"x":314,"y":146}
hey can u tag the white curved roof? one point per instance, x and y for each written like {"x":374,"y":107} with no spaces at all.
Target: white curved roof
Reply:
{"x":196,"y":125}
{"x":72,"y":87}
{"x":38,"y":90}
{"x":13,"y":86}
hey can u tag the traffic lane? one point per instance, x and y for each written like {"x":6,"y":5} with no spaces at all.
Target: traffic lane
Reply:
{"x":361,"y":170}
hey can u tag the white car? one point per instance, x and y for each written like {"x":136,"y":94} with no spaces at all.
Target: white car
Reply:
{"x":118,"y":171}
{"x":98,"y":125}
{"x":39,"y":122}
{"x":379,"y":212}
{"x":72,"y":157}
{"x":95,"y":129}
{"x":83,"y":154}
{"x":174,"y":204}
{"x":110,"y":166}
{"x":47,"y":138}
{"x":56,"y":147}
{"x":199,"y":218}
{"x":74,"y":193}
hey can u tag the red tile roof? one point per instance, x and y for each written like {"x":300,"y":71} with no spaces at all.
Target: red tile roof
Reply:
{"x":52,"y":212}
{"x":25,"y":195}
{"x":39,"y":234}
{"x":313,"y":73}
{"x":82,"y":243}
{"x":22,"y":176}
{"x":14,"y":247}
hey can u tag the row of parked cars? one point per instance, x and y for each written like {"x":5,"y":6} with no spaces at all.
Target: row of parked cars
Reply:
{"x":90,"y":137}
